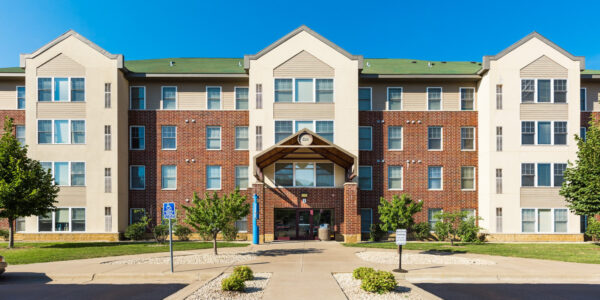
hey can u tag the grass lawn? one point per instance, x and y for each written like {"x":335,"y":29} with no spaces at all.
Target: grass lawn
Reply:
{"x":27,"y":253}
{"x":579,"y":253}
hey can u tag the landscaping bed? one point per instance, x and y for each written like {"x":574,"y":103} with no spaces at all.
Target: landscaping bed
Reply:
{"x":351,"y":287}
{"x":196,"y":259}
{"x":212,"y":289}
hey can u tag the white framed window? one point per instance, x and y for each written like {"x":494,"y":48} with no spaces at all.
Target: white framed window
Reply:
{"x":137,"y":137}
{"x":366,"y":219}
{"x":583,"y":99}
{"x":168,"y":177}
{"x":304,"y":174}
{"x":394,"y":98}
{"x":241,"y":98}
{"x":284,"y":90}
{"x":20,"y":134}
{"x":499,"y":219}
{"x":137,"y":177}
{"x":213,"y":177}
{"x":467,"y":98}
{"x":107,"y":138}
{"x":467,"y":178}
{"x":285,"y":128}
{"x":395,"y":178}
{"x":61,"y":131}
{"x":499,"y":138}
{"x":365,"y":97}
{"x":544,"y":132}
{"x":168,"y":97}
{"x":434,"y":178}
{"x":317,"y":90}
{"x":168,"y":137}
{"x":542,"y":174}
{"x":213,"y":98}
{"x":259,"y":143}
{"x":63,"y":219}
{"x":259,"y":102}
{"x":107,"y":180}
{"x":137,"y":98}
{"x":66,"y":173}
{"x":434,"y":98}
{"x":107,"y":219}
{"x":434,"y":138}
{"x":107,"y":95}
{"x":20,"y":224}
{"x":467,"y":138}
{"x":20,"y":97}
{"x":544,"y":220}
{"x":241,"y":177}
{"x":324,"y":90}
{"x":365,"y":178}
{"x":543,"y":90}
{"x":241,"y":138}
{"x":395,"y":138}
{"x":242,"y":225}
{"x":365,"y":138}
{"x":499,"y":97}
{"x":498,"y":181}
{"x":432,"y":216}
{"x":213,"y":137}
{"x":61,"y":89}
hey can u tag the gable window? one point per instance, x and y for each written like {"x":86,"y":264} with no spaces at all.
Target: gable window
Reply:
{"x":395,"y":138}
{"x":547,"y":91}
{"x":583,"y":99}
{"x":168,"y":137}
{"x":467,"y":178}
{"x":61,"y":89}
{"x":137,"y":137}
{"x":241,"y":98}
{"x":213,"y":97}
{"x":434,"y":98}
{"x":241,"y":138}
{"x":304,"y":174}
{"x":61,"y":132}
{"x":213,"y":177}
{"x":241,"y":177}
{"x":560,"y":91}
{"x":284,"y":174}
{"x":527,"y":133}
{"x":283,"y":90}
{"x":284,"y":129}
{"x":304,"y":90}
{"x":169,"y":97}
{"x":20,"y":134}
{"x":395,"y":98}
{"x":395,"y":177}
{"x":137,"y":98}
{"x":365,"y":138}
{"x":527,"y":174}
{"x":20,"y":97}
{"x":324,"y":90}
{"x":544,"y":91}
{"x":434,"y":178}
{"x":318,"y":90}
{"x":527,"y":90}
{"x":169,"y":177}
{"x":364,"y":98}
{"x":498,"y":96}
{"x":213,"y":137}
{"x":560,"y":133}
{"x":434,"y":138}
{"x":467,"y":138}
{"x":467,"y":98}
{"x":44,"y":89}
{"x":137,"y":177}
{"x":365,"y":178}
{"x":77,"y":89}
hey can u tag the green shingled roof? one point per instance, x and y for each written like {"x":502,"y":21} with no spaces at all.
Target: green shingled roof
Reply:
{"x":12,"y":70}
{"x":397,"y":66}
{"x":188,"y":65}
{"x":590,"y":72}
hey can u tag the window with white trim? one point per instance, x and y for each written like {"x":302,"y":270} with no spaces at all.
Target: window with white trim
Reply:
{"x":137,"y":137}
{"x":304,"y":174}
{"x":168,"y":137}
{"x":434,"y":178}
{"x":169,"y":97}
{"x":434,"y":138}
{"x":241,"y":138}
{"x":20,"y":97}
{"x":395,"y":177}
{"x":395,"y":138}
{"x":544,"y":220}
{"x":548,"y":133}
{"x":318,"y":90}
{"x":137,"y":97}
{"x":213,"y":97}
{"x":20,"y":134}
{"x":213,"y":177}
{"x":542,"y":174}
{"x":241,"y":98}
{"x":61,"y":89}
{"x":467,"y":98}
{"x":543,"y":90}
{"x":66,"y":173}
{"x":61,"y":131}
{"x":394,"y":98}
{"x":241,"y":177}
{"x":432,"y":216}
{"x":168,"y":177}
{"x":467,"y":178}
{"x":365,"y":138}
{"x":137,"y":177}
{"x":213,"y":137}
{"x":284,"y":129}
{"x":63,"y":219}
{"x":467,"y":138}
{"x":434,"y":98}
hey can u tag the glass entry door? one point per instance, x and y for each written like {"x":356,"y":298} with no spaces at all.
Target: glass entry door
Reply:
{"x":301,"y":224}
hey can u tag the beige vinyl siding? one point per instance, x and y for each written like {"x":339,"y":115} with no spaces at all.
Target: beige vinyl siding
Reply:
{"x":303,"y":64}
{"x":61,"y":65}
{"x":8,"y":94}
{"x":304,"y":111}
{"x":544,"y":111}
{"x":60,"y":110}
{"x":72,"y":196}
{"x":541,"y":197}
{"x":414,"y":94}
{"x":544,"y":67}
{"x":592,"y":90}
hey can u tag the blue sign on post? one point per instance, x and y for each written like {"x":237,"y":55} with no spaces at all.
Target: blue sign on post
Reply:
{"x":169,"y":211}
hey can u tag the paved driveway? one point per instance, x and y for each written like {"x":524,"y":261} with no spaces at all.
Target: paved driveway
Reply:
{"x":513,"y":291}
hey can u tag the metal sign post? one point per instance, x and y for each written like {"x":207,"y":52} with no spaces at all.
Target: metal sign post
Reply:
{"x":169,"y":214}
{"x":255,"y":216}
{"x":400,"y":241}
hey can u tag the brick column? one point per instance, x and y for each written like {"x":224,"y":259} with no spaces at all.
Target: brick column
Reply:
{"x":259,"y":189}
{"x":351,"y":222}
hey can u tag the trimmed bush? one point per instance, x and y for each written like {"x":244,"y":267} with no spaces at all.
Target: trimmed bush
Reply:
{"x":593,"y":229}
{"x":243,"y":272}
{"x":233,"y":283}
{"x":421,"y":230}
{"x":182,"y":232}
{"x":379,"y":282}
{"x":468,"y":231}
{"x":160,"y":233}
{"x":4,"y":234}
{"x":135,"y":231}
{"x":362,"y":272}
{"x":375,"y":233}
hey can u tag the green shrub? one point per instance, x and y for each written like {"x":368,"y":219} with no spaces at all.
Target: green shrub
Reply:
{"x":379,"y":282}
{"x":468,"y":231}
{"x":421,"y":230}
{"x":4,"y":234}
{"x":135,"y":231}
{"x":442,"y":230}
{"x":233,"y":283}
{"x":593,"y":228}
{"x":160,"y":233}
{"x":362,"y":272}
{"x":182,"y":232}
{"x":243,"y":272}
{"x":375,"y":233}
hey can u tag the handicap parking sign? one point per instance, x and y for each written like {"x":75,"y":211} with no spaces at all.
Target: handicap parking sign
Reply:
{"x":169,"y":210}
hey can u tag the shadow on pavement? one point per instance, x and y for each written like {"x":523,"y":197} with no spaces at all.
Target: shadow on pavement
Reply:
{"x":512,"y":291}
{"x":23,"y":278}
{"x":284,"y":252}
{"x":443,"y":252}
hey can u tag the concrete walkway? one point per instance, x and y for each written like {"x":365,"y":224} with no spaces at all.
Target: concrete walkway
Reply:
{"x":302,"y":270}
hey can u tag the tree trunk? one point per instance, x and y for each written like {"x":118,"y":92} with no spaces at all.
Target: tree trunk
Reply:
{"x":11,"y":235}
{"x":215,"y":243}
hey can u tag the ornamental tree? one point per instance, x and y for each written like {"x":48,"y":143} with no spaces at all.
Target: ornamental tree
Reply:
{"x":398,"y":213}
{"x":26,"y":188}
{"x":212,"y":215}
{"x":581,"y":186}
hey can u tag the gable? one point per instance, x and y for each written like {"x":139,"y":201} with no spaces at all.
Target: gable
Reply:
{"x":303,"y":64}
{"x":544,"y":67}
{"x":61,"y":65}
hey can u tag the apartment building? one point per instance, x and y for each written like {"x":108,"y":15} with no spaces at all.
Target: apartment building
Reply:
{"x":319,"y":134}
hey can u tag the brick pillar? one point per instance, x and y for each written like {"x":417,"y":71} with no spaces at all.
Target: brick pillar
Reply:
{"x":259,"y":189}
{"x":351,"y":222}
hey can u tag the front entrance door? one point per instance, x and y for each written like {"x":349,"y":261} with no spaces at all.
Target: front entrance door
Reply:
{"x":300,"y":224}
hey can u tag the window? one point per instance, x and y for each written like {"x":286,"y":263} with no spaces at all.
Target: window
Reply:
{"x":137,"y":179}
{"x":434,"y":180}
{"x":44,"y":132}
{"x":107,"y":180}
{"x":20,"y":134}
{"x":365,"y":178}
{"x":582,"y":133}
{"x":169,"y":137}
{"x":527,"y":174}
{"x":283,"y":90}
{"x":434,"y":138}
{"x":366,"y":219}
{"x":258,"y":138}
{"x":137,"y":137}
{"x":498,"y":219}
{"x":169,"y":177}
{"x":213,"y":97}
{"x":325,"y":174}
{"x":136,"y":215}
{"x":469,"y":213}
{"x":61,"y":132}
{"x":560,"y":91}
{"x":107,"y":137}
{"x":61,"y":89}
{"x":64,"y":219}
{"x":258,"y":96}
{"x":107,"y":219}
{"x":20,"y":224}
{"x":583,"y":99}
{"x":324,"y":90}
{"x":44,"y":89}
{"x":77,"y":132}
{"x":304,"y":174}
{"x":544,"y":91}
{"x":304,"y":124}
{"x":213,"y":177}
{"x":77,"y":174}
{"x":169,"y":97}
{"x":467,"y":178}
{"x":241,"y":138}
{"x":559,"y":171}
{"x":432,"y":216}
{"x":498,"y":181}
{"x":499,"y":138}
{"x":560,"y":220}
{"x":20,"y":97}
{"x":138,"y":97}
{"x":61,"y":219}
{"x":543,"y":174}
{"x":213,"y":137}
{"x":467,"y":98}
{"x":365,"y":138}
{"x":66,"y":173}
{"x":467,"y":138}
{"x":394,"y":98}
{"x":284,"y":174}
{"x":527,"y":133}
{"x":498,"y":96}
{"x":304,"y":90}
{"x":528,"y":220}
{"x":241,"y":177}
{"x":107,"y":95}
{"x":544,"y":133}
{"x":560,"y":133}
{"x":283,"y":129}
{"x":241,"y":98}
{"x":77,"y":219}
{"x":324,"y":129}
{"x":77,"y":89}
{"x":395,"y":177}
{"x":434,"y":98}
{"x":45,"y":223}
{"x":395,"y":138}
{"x":242,"y":224}
{"x":527,"y":90}
{"x":364,"y":98}
{"x":544,"y":220}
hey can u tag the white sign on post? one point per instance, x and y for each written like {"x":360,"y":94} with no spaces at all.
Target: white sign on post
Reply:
{"x":400,"y":237}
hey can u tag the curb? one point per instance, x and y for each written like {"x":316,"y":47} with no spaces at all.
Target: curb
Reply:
{"x":190,"y":289}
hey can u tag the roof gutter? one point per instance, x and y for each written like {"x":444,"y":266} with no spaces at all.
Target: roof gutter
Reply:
{"x":15,"y":75}
{"x":421,"y":76}
{"x":185,"y":75}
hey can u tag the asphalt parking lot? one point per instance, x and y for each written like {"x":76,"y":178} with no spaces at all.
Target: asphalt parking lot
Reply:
{"x":467,"y":291}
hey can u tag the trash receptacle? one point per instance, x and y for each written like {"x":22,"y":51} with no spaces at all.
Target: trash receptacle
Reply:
{"x":324,"y":232}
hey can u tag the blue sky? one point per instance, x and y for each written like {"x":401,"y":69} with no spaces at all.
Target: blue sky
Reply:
{"x":431,"y":30}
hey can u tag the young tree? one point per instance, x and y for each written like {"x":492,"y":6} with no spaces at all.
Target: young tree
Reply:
{"x":581,"y":186}
{"x":213,"y":214}
{"x":449,"y":224}
{"x":25,"y":187}
{"x":398,"y":213}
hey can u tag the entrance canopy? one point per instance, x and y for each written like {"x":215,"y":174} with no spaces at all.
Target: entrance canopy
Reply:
{"x":304,"y":145}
